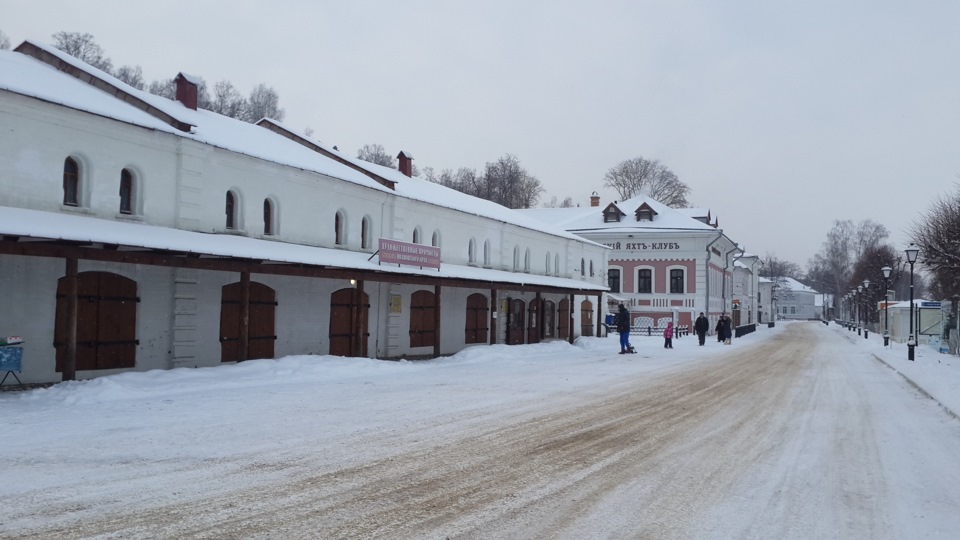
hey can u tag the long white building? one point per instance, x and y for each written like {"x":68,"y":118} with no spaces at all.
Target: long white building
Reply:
{"x":140,"y":233}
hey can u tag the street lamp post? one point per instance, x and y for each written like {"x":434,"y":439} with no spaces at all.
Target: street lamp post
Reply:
{"x":859,"y":310}
{"x":886,"y":319}
{"x":912,"y":252}
{"x":866,"y":311}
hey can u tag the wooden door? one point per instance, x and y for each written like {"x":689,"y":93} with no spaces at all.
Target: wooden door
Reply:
{"x":477,"y":317}
{"x":533,"y":322}
{"x":515,"y":316}
{"x":106,"y":321}
{"x":346,"y":324}
{"x":423,"y":332}
{"x":586,"y":318}
{"x":563,"y":319}
{"x":261,"y":326}
{"x":549,"y":319}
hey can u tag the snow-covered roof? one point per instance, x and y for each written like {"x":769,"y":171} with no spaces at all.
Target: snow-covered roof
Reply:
{"x":794,"y":285}
{"x":587,"y":219}
{"x":39,"y":224}
{"x":23,"y":74}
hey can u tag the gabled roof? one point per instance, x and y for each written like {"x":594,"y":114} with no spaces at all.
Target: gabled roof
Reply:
{"x":588,"y":219}
{"x":645,"y":206}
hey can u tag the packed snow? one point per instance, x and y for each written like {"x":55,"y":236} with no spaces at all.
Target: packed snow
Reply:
{"x":88,"y":451}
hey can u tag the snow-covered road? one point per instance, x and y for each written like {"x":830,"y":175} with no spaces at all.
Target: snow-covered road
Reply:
{"x":797,"y":432}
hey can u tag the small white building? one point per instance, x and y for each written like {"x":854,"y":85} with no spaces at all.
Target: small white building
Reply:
{"x":796,"y":301}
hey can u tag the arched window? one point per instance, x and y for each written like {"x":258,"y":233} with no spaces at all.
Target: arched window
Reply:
{"x":416,"y":235}
{"x":267,"y":217}
{"x":126,"y":192}
{"x":365,"y":233}
{"x":516,"y":258}
{"x":472,"y":252}
{"x":338,"y":232}
{"x":546,"y":265}
{"x":526,"y":261}
{"x":591,"y":268}
{"x":231,"y":210}
{"x":435,"y":241}
{"x":556,"y":264}
{"x":486,"y":253}
{"x":583,"y":268}
{"x":71,"y":182}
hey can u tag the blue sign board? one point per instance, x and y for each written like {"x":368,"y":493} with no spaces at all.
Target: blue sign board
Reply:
{"x":10,"y":358}
{"x":930,"y":304}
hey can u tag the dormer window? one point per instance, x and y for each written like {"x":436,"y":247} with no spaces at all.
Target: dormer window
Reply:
{"x":612,"y":214}
{"x":645,"y":213}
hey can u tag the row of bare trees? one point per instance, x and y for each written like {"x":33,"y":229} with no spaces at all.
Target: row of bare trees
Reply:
{"x":223,"y":98}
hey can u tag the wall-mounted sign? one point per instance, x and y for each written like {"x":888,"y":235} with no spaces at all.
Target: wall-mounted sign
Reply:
{"x":633,"y":246}
{"x":392,"y":251}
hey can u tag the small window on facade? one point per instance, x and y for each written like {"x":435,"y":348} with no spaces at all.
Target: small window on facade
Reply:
{"x":526,"y":261}
{"x":546,"y":265}
{"x":613,"y":279}
{"x":267,"y":217}
{"x":365,"y":233}
{"x":416,"y":236}
{"x":486,"y":253}
{"x":435,"y":241}
{"x":126,"y":192}
{"x":556,"y":265}
{"x":338,"y":229}
{"x":231,"y":210}
{"x":516,"y":258}
{"x":793,"y":310}
{"x":676,"y":281}
{"x":71,"y":183}
{"x":583,"y":268}
{"x":645,"y":281}
{"x":591,"y":269}
{"x":472,"y":251}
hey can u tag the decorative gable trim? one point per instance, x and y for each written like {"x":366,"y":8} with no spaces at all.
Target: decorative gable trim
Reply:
{"x":612,"y":214}
{"x":645,"y":212}
{"x":280,"y":130}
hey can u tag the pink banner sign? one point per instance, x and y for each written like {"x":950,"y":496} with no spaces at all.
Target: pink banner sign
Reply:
{"x":392,"y":251}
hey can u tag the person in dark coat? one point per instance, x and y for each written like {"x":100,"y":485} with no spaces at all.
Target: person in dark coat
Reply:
{"x":623,"y":327}
{"x":720,"y":328}
{"x":727,"y":330}
{"x":701,"y":327}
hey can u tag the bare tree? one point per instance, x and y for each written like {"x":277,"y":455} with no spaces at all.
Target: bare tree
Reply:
{"x":510,"y":184}
{"x":375,"y":153}
{"x":84,"y":48}
{"x":226,"y":100}
{"x":264,"y":102}
{"x":936,"y":233}
{"x":132,"y":75}
{"x":4,"y":42}
{"x":554,"y":202}
{"x":640,"y":176}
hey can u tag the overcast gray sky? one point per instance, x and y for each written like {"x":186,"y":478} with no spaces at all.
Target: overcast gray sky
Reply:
{"x":780,"y":115}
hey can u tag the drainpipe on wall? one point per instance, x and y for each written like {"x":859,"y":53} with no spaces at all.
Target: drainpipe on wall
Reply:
{"x":706,"y":271}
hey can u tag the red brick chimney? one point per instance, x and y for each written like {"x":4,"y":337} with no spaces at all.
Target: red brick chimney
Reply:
{"x":594,"y":199}
{"x":187,"y":90}
{"x":406,"y":163}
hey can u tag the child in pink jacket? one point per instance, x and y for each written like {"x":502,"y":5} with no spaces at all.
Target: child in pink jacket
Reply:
{"x":668,"y":336}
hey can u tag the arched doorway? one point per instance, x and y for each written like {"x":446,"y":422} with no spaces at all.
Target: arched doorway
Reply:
{"x":515,"y":318}
{"x":586,"y":318}
{"x":106,"y":321}
{"x":423,"y":330}
{"x":261,"y":326}
{"x":533,"y":322}
{"x":349,"y":309}
{"x":563,"y":319}
{"x":477,"y":317}
{"x":549,"y":319}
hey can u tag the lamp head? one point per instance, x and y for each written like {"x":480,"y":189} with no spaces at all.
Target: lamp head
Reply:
{"x":866,"y":284}
{"x":886,"y":272}
{"x":912,"y":251}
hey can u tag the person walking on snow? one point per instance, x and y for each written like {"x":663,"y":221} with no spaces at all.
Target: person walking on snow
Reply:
{"x":701,"y":327}
{"x":668,"y":336}
{"x":727,"y":330}
{"x":720,"y":328}
{"x":623,"y":327}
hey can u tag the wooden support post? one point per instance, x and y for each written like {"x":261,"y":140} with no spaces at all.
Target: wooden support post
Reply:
{"x":573,"y":308}
{"x":243,"y":348}
{"x":436,"y":321}
{"x":599,"y":314}
{"x":70,"y":362}
{"x":540,"y":317}
{"x":494,"y":307}
{"x":357,"y":312}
